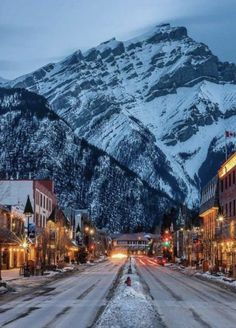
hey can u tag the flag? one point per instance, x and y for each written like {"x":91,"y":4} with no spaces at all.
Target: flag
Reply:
{"x":229,"y":134}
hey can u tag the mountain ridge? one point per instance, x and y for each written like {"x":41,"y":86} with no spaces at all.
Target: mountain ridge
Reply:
{"x":154,"y":103}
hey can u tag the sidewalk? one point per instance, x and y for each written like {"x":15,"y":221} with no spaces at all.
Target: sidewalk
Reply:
{"x":11,"y":274}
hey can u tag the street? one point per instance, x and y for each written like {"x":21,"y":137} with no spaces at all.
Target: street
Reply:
{"x":70,"y":302}
{"x":184,"y":301}
{"x":76,"y":301}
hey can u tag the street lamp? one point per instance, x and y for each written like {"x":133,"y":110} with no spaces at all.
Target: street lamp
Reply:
{"x":220,"y":218}
{"x":28,"y":211}
{"x":91,"y":231}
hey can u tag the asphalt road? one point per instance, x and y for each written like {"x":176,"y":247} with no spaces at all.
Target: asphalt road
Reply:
{"x":70,"y":302}
{"x":187,"y":302}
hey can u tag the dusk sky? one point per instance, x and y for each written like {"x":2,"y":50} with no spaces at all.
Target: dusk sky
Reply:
{"x":34,"y":33}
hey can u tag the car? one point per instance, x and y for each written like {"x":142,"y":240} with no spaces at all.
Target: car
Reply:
{"x":161,"y":260}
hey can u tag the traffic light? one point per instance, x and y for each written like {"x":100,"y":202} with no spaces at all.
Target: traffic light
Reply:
{"x":166,"y":242}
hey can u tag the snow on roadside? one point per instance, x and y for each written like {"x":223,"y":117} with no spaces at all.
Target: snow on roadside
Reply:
{"x":219,"y":278}
{"x":130,"y":306}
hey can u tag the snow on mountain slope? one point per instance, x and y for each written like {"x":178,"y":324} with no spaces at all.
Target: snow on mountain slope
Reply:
{"x":158,"y":103}
{"x":35,"y":140}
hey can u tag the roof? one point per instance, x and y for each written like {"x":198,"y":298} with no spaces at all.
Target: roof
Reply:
{"x":57,"y":215}
{"x":8,"y":237}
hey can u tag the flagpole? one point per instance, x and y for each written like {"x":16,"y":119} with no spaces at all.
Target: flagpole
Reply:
{"x":226,"y":150}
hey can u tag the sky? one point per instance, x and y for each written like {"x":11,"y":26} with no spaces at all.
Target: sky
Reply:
{"x":34,"y":33}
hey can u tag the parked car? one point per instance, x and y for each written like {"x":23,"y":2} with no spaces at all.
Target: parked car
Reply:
{"x":161,"y":260}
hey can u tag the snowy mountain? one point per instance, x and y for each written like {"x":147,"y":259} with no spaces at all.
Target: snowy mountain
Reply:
{"x":3,"y":81}
{"x":35,"y":140}
{"x":159,"y":104}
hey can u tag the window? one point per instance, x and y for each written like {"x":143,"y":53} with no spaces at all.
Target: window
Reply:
{"x":230,"y":208}
{"x":47,"y":204}
{"x":230,"y":180}
{"x":226,"y":185}
{"x":40,"y":223}
{"x":222,"y":185}
{"x":233,"y":177}
{"x":37,"y":220}
{"x":234,"y":209}
{"x":226,"y":209}
{"x":41,"y":200}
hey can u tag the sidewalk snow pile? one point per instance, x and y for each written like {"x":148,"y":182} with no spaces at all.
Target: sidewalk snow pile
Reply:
{"x":130,"y":307}
{"x":219,"y":278}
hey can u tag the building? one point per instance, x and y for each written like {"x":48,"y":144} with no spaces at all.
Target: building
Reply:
{"x":41,"y":194}
{"x":132,"y":243}
{"x":209,"y":211}
{"x":12,"y":246}
{"x":14,"y":195}
{"x":226,"y":228}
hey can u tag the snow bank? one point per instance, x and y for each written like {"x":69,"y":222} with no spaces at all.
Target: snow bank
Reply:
{"x":130,"y":306}
{"x":219,"y":278}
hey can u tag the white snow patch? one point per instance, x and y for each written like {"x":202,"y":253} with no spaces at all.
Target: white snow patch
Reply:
{"x":130,"y":306}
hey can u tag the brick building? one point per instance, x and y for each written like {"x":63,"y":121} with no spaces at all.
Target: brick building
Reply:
{"x":226,"y":229}
{"x":14,"y":194}
{"x":209,"y":209}
{"x":41,"y":194}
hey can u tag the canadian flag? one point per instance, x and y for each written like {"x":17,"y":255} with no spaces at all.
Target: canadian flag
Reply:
{"x":229,"y":134}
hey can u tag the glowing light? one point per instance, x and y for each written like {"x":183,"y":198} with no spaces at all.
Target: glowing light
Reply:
{"x":24,"y":245}
{"x":220,"y":218}
{"x":118,"y":256}
{"x":227,"y":166}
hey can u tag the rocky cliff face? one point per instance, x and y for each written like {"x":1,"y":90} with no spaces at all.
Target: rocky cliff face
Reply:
{"x":35,"y":140}
{"x":155,"y":103}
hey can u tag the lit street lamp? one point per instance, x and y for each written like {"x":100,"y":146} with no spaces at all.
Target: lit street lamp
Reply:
{"x":28,"y":212}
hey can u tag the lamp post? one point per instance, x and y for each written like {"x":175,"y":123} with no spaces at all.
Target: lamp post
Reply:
{"x":28,"y":212}
{"x":220,"y":220}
